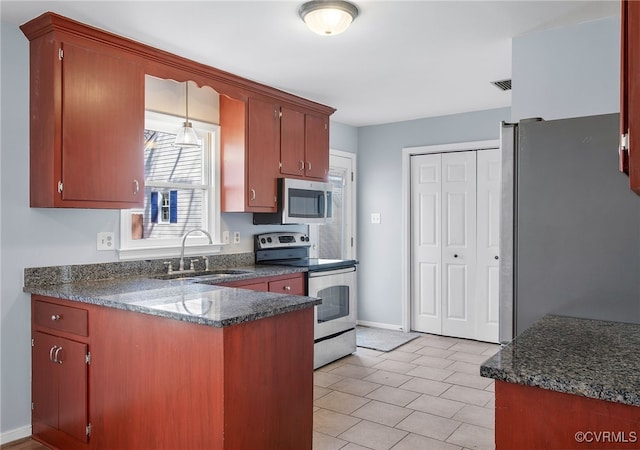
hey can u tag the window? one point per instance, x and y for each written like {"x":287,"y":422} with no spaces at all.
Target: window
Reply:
{"x":180,"y":194}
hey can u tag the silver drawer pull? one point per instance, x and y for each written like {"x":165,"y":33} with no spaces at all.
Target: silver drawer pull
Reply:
{"x":53,"y":349}
{"x":136,"y":187}
{"x":56,"y":354}
{"x":56,"y":317}
{"x":287,"y":288}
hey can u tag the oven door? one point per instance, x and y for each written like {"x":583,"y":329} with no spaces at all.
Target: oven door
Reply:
{"x":337,"y":289}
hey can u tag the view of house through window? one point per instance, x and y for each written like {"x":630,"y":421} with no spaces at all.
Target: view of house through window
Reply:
{"x":179,"y":185}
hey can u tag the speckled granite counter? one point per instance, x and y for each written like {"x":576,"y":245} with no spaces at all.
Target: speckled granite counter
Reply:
{"x":590,"y":358}
{"x":111,"y":285}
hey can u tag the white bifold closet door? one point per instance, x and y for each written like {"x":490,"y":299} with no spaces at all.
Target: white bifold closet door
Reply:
{"x":454,"y":222}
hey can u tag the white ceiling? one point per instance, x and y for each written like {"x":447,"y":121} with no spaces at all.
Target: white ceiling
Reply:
{"x":400,"y":60}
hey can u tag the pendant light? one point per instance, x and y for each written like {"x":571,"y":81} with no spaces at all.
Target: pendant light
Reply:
{"x":186,"y":136}
{"x":328,"y":17}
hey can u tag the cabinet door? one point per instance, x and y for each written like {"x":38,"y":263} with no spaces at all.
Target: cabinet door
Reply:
{"x":630,"y":91}
{"x":317,"y":146}
{"x":292,"y":139}
{"x":60,"y":384}
{"x":102,"y":127}
{"x":263,"y":155}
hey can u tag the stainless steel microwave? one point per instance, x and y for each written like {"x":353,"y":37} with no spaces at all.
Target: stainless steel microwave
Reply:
{"x":299,"y":202}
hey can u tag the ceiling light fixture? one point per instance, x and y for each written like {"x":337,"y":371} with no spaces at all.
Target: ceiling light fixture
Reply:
{"x":186,"y":136}
{"x":327,"y":17}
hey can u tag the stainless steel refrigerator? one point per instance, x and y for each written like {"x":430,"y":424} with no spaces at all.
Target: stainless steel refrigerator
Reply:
{"x":570,"y":226}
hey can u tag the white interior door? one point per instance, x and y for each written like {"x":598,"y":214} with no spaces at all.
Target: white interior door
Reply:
{"x":426,"y":253}
{"x":488,"y":223}
{"x":458,"y":243}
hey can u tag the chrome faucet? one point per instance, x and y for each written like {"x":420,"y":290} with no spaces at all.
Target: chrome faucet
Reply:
{"x":184,"y":239}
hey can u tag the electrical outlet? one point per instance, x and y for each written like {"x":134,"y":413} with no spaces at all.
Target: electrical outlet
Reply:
{"x":375,"y":218}
{"x":236,"y":237}
{"x":225,"y":237}
{"x":105,"y":241}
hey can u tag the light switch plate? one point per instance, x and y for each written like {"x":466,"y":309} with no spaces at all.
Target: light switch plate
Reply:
{"x":375,"y":218}
{"x":225,"y":237}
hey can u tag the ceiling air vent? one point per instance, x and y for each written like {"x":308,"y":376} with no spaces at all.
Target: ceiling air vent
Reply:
{"x":503,"y":85}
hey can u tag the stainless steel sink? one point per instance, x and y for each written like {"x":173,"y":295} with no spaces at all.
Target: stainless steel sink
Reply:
{"x":202,"y":276}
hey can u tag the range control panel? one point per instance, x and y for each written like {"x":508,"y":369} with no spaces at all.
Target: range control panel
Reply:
{"x":281,"y":240}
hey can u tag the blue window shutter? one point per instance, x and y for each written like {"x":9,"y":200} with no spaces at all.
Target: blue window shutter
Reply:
{"x":173,"y":206}
{"x":154,"y":207}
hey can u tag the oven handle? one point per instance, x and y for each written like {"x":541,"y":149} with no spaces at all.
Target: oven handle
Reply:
{"x":325,"y":273}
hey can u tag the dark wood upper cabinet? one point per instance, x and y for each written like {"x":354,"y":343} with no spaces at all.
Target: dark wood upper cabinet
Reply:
{"x":87,"y":121}
{"x":630,"y":93}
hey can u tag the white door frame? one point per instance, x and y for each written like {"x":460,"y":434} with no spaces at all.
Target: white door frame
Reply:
{"x":407,"y":152}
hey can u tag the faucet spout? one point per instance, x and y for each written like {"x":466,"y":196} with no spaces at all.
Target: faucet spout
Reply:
{"x":184,"y":240}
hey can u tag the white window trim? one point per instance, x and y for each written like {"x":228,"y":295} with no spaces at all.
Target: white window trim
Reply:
{"x":130,"y":249}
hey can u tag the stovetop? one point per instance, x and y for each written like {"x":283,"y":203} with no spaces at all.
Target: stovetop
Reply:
{"x":292,"y":249}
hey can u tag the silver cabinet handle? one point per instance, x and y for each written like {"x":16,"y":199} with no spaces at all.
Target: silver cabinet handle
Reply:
{"x":301,"y":165}
{"x":56,"y":317}
{"x":287,"y":288}
{"x":56,"y":354}
{"x":253,"y":194}
{"x":136,"y":188}
{"x":53,"y":349}
{"x":308,"y":166}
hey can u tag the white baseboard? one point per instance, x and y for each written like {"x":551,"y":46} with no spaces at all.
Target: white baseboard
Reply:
{"x":386,"y":326}
{"x":14,"y":435}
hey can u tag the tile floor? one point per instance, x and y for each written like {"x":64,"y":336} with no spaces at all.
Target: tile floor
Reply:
{"x":426,"y":394}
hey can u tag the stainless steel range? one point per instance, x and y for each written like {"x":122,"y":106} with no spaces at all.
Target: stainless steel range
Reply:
{"x":332,"y":280}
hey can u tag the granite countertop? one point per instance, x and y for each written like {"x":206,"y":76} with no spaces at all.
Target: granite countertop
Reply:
{"x":179,"y":299}
{"x":591,"y":358}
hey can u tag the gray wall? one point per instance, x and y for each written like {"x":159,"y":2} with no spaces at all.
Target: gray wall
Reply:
{"x":567,"y":72}
{"x":380,"y":190}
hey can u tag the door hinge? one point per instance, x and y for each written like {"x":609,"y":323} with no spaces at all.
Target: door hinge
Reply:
{"x":624,"y":141}
{"x":280,"y":164}
{"x":33,"y":342}
{"x":275,"y":199}
{"x":33,"y":406}
{"x":87,"y":358}
{"x":88,"y":430}
{"x":352,"y":242}
{"x":352,"y":177}
{"x":60,"y":186}
{"x":60,"y":54}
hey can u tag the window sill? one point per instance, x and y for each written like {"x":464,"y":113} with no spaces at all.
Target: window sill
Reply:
{"x":168,"y":252}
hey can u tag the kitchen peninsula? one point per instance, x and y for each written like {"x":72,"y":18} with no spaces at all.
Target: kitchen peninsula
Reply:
{"x":144,"y":363}
{"x":568,"y":383}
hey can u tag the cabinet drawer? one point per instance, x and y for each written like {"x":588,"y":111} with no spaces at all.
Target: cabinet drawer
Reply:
{"x":293,"y":286}
{"x":62,"y":318}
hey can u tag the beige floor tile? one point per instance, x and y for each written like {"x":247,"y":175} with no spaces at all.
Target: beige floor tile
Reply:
{"x":323,"y":441}
{"x":437,"y":406}
{"x":416,"y":442}
{"x":476,"y":415}
{"x":341,"y":402}
{"x":465,"y":367}
{"x":472,"y":381}
{"x":468,"y":395}
{"x":329,"y":367}
{"x":388,"y":378}
{"x":382,"y":413}
{"x":492,"y":350}
{"x":431,"y":373}
{"x":362,"y":360}
{"x":411,"y":347}
{"x":425,"y":386}
{"x":435,"y":427}
{"x":324,"y":379}
{"x":471,"y":347}
{"x":401,"y":356}
{"x":395,"y":396}
{"x":433,"y":361}
{"x":352,"y":371}
{"x":491,"y":403}
{"x":332,"y":423}
{"x":469,"y":357}
{"x":491,"y":387}
{"x":355,"y":386}
{"x":434,"y":351}
{"x":473,"y":437}
{"x":319,"y":391}
{"x":368,"y":352}
{"x":373,"y":435}
{"x":394,"y":366}
{"x":352,"y":446}
{"x":437,"y":341}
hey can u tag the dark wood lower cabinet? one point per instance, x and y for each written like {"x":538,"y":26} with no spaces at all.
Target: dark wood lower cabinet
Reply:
{"x":530,"y":418}
{"x":157,"y":383}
